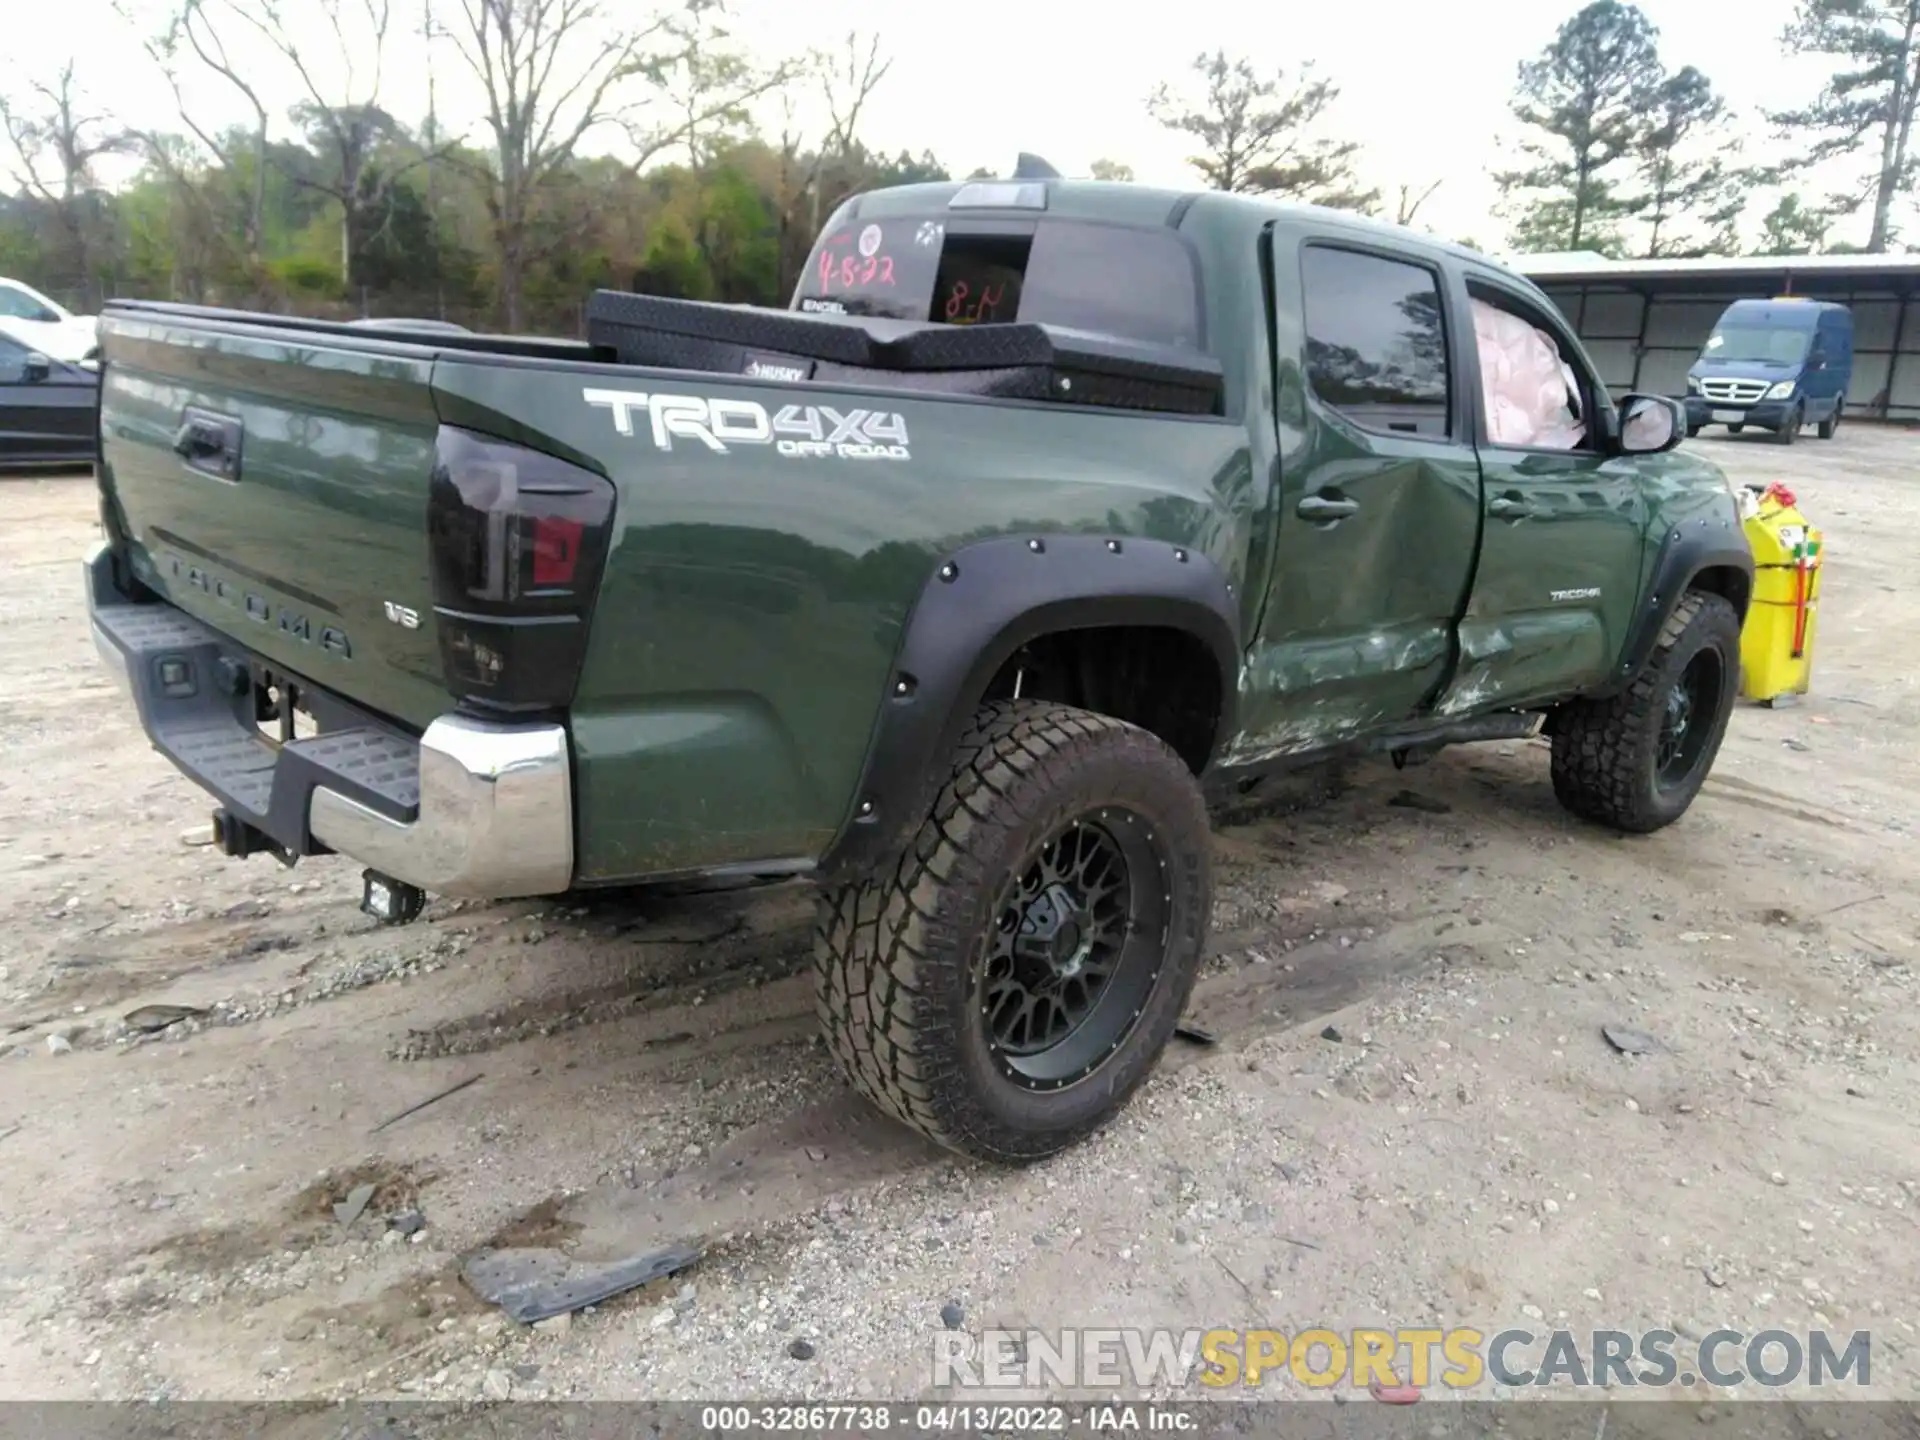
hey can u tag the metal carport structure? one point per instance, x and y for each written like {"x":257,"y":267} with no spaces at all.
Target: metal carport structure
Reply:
{"x":1644,"y":321}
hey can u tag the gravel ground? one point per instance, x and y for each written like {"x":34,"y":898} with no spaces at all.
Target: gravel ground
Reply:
{"x":1411,"y":1117}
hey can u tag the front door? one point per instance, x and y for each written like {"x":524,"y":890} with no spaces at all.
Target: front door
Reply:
{"x":1379,"y":499}
{"x":1564,"y":535}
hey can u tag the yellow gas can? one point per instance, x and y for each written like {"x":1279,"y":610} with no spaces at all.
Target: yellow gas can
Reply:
{"x":1776,"y":644}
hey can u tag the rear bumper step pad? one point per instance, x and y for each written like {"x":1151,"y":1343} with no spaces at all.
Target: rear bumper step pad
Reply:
{"x":472,"y":808}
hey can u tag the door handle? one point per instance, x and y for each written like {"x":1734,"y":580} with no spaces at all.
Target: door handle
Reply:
{"x":1508,"y":507}
{"x":198,"y":440}
{"x":209,"y":443}
{"x":1322,"y":511}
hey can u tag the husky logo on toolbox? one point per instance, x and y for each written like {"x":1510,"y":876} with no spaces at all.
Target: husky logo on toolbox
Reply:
{"x":803,"y":431}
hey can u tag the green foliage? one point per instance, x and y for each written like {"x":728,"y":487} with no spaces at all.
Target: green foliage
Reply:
{"x":738,"y":238}
{"x":420,"y":237}
{"x":19,"y":244}
{"x":1794,"y":228}
{"x":673,"y":265}
{"x":305,"y":278}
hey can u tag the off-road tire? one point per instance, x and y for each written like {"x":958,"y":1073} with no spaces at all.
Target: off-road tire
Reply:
{"x":1606,"y":752}
{"x":1789,"y":430}
{"x":1831,"y":423}
{"x":899,"y":956}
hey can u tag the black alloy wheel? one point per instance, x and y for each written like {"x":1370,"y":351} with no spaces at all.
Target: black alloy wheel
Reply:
{"x":1076,"y":948}
{"x":1686,"y":723}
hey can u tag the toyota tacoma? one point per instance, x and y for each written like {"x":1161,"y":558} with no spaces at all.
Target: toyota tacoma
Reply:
{"x":1045,"y":513}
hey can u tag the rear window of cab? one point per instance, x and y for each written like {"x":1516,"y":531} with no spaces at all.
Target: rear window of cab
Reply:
{"x":1134,"y":283}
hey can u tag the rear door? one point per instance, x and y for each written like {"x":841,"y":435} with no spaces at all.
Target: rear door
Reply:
{"x":1561,"y":546}
{"x":1379,"y":496}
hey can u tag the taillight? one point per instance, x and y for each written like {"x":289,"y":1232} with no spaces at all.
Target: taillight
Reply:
{"x":518,"y":541}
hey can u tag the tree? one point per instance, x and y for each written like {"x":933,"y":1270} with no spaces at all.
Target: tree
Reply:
{"x":1256,"y":134}
{"x":1583,"y":101}
{"x":1111,"y":170}
{"x":1866,"y":109}
{"x":846,"y":83}
{"x":55,"y":146}
{"x":1684,"y":170}
{"x":1793,"y":227}
{"x":1409,"y":201}
{"x":554,"y":71}
{"x":346,"y":127}
{"x":187,"y":31}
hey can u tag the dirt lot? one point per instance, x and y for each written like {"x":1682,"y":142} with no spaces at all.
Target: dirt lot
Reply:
{"x":1412,"y":1116}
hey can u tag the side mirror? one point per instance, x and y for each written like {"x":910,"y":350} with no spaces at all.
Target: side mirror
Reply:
{"x":1650,"y":424}
{"x":35,"y":368}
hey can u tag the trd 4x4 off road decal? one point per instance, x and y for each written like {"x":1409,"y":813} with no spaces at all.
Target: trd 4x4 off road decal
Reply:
{"x":807,"y":432}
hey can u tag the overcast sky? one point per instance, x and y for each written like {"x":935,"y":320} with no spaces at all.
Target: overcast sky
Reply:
{"x":1425,"y":87}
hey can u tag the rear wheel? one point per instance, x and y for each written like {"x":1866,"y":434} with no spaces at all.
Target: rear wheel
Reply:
{"x":1635,"y":761}
{"x":1832,"y":422}
{"x":1009,"y":982}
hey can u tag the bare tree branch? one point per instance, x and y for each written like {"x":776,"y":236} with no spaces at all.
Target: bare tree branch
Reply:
{"x":555,"y":71}
{"x":55,"y":145}
{"x":1409,"y":203}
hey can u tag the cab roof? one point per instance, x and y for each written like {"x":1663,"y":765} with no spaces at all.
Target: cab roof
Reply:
{"x":1127,"y":203}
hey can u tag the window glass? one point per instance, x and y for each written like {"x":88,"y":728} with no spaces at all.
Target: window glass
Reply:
{"x":18,"y":305}
{"x":1759,"y":344}
{"x":1135,"y":283}
{"x":13,"y":359}
{"x":1376,"y":342}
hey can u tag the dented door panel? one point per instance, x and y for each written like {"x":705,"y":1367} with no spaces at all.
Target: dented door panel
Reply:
{"x":1357,"y":631}
{"x":1557,"y":582}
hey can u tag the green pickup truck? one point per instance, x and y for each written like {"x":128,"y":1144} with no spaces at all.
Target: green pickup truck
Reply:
{"x":1047,"y":512}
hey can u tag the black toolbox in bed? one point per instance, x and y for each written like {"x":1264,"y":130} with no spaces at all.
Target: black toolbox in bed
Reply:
{"x":1012,"y":361}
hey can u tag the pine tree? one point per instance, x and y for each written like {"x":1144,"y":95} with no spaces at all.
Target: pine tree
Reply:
{"x":1867,"y":106}
{"x":1258,"y":135}
{"x":1584,"y":100}
{"x":1794,"y":228}
{"x":1687,"y":174}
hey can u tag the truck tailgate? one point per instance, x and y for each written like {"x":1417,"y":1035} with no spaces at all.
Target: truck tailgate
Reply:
{"x":274,"y":486}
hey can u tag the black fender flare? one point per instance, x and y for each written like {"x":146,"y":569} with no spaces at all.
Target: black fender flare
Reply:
{"x":1687,"y":551}
{"x":978,"y":607}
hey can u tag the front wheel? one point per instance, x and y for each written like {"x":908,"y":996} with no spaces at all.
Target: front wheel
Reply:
{"x":1635,"y":761}
{"x":1789,"y":430}
{"x":1831,"y":423}
{"x":1007,"y":984}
